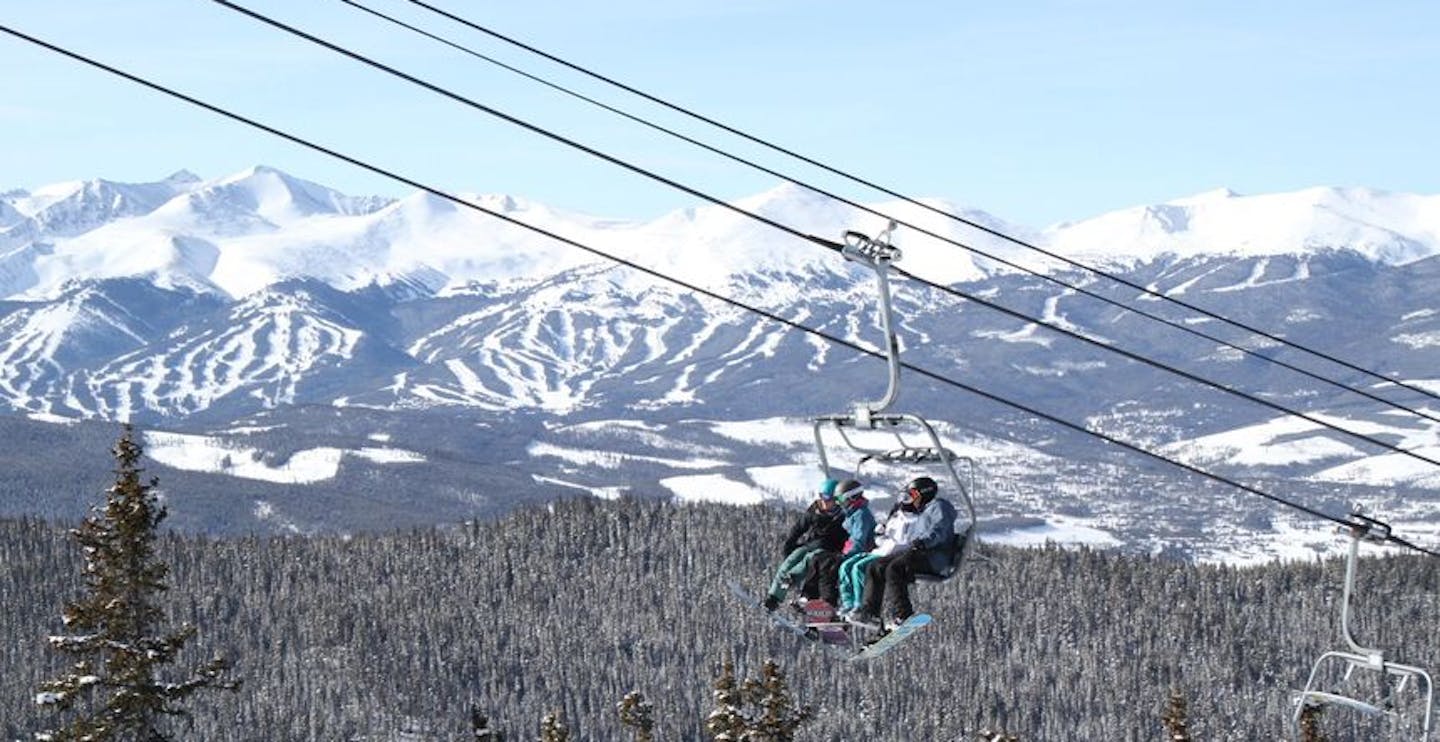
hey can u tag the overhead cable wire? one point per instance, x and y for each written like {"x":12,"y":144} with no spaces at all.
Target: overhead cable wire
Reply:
{"x":876,"y":212}
{"x":921,"y":204}
{"x":871,"y":210}
{"x":830,"y":244}
{"x":743,"y":306}
{"x":1082,"y":337}
{"x":507,"y":117}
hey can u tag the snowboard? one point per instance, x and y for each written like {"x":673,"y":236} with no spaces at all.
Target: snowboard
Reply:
{"x":833,"y":635}
{"x":776,"y":617}
{"x":891,"y":640}
{"x":785,"y":622}
{"x":820,"y":616}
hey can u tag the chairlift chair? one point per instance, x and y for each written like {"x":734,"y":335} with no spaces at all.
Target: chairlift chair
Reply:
{"x":877,"y":254}
{"x":1357,"y":657}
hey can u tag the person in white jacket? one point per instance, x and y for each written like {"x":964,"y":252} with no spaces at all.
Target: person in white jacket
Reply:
{"x":913,"y":540}
{"x":892,"y":536}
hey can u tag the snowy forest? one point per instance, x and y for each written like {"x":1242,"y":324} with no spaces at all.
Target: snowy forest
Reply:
{"x":562,"y":611}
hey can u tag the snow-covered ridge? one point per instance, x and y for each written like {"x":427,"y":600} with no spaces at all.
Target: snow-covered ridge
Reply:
{"x":237,"y":234}
{"x":1393,"y":228}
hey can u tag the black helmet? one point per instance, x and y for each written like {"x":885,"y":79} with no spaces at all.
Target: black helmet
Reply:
{"x":925,"y":487}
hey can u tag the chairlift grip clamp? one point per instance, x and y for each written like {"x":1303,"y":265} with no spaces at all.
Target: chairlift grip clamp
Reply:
{"x":861,"y":248}
{"x":1367,"y":528}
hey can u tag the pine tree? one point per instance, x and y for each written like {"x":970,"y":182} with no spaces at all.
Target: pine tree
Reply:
{"x":779,"y":716}
{"x":1176,"y":723}
{"x":727,"y":722}
{"x":553,"y":729}
{"x":755,"y":710}
{"x":117,"y":635}
{"x":1310,"y":725}
{"x":638,"y":714}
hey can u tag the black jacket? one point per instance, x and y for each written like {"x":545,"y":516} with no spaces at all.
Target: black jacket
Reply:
{"x":825,"y":529}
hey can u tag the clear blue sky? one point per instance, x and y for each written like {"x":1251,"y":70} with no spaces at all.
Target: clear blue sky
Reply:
{"x":1035,"y":111}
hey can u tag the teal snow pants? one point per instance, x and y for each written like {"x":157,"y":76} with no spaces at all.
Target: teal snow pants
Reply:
{"x":791,"y":570}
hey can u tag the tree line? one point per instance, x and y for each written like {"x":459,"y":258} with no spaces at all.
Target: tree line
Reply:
{"x":559,"y":612}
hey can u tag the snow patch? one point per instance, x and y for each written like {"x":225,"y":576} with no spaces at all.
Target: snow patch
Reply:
{"x":47,"y":417}
{"x":604,"y":493}
{"x":204,"y":454}
{"x":790,"y":483}
{"x":1058,"y":530}
{"x":712,"y":488}
{"x":1419,"y":339}
{"x":1279,"y":442}
{"x":774,"y":430}
{"x":613,"y":459}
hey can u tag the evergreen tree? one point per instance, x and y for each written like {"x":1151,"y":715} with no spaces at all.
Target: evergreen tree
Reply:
{"x":553,"y":729}
{"x":756,"y":710}
{"x":1310,"y":725}
{"x":117,"y":637}
{"x":779,"y":717}
{"x":1177,"y":724}
{"x":638,"y":714}
{"x":727,"y":722}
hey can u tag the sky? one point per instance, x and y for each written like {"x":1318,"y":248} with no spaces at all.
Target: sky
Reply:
{"x":1037,"y":112}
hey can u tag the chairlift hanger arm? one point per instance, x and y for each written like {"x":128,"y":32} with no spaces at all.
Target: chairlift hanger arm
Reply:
{"x":878,"y":254}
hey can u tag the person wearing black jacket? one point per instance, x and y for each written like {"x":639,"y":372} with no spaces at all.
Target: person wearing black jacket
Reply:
{"x":820,"y":528}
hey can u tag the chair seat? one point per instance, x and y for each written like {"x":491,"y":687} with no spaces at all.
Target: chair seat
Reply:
{"x":1319,"y":698}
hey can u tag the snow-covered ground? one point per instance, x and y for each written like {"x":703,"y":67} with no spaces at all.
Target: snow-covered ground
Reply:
{"x":206,"y":454}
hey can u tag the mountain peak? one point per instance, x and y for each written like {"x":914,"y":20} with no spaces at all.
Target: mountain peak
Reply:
{"x":281,"y":198}
{"x":1222,"y":193}
{"x":183,"y":177}
{"x":1382,"y":226}
{"x":247,"y":229}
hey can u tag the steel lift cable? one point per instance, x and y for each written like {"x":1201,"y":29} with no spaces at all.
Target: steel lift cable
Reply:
{"x":920,"y":204}
{"x":828,"y":337}
{"x":875,"y":212}
{"x":834,"y":246}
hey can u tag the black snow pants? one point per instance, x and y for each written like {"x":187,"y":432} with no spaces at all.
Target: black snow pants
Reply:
{"x":824,"y":577}
{"x":887,"y":580}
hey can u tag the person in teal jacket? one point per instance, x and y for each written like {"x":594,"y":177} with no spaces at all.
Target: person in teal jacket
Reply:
{"x":860,"y":531}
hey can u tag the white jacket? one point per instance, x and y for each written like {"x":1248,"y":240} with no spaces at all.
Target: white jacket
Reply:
{"x":903,"y":528}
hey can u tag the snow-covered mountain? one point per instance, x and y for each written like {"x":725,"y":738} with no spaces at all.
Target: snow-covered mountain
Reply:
{"x":214,"y":308}
{"x":1392,"y":228}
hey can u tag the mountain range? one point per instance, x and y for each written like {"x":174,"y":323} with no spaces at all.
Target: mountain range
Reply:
{"x":359,"y":362}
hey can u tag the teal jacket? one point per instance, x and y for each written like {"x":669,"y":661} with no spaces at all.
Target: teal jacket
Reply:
{"x":859,"y":526}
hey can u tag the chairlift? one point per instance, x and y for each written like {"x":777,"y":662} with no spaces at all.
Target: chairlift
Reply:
{"x":1394,"y":677}
{"x":878,"y":254}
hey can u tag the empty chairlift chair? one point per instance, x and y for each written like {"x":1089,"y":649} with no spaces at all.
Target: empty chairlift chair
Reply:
{"x":1397,"y":681}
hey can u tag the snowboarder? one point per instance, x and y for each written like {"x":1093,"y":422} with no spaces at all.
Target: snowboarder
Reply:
{"x":820,"y":527}
{"x":916,"y":542}
{"x":859,"y":525}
